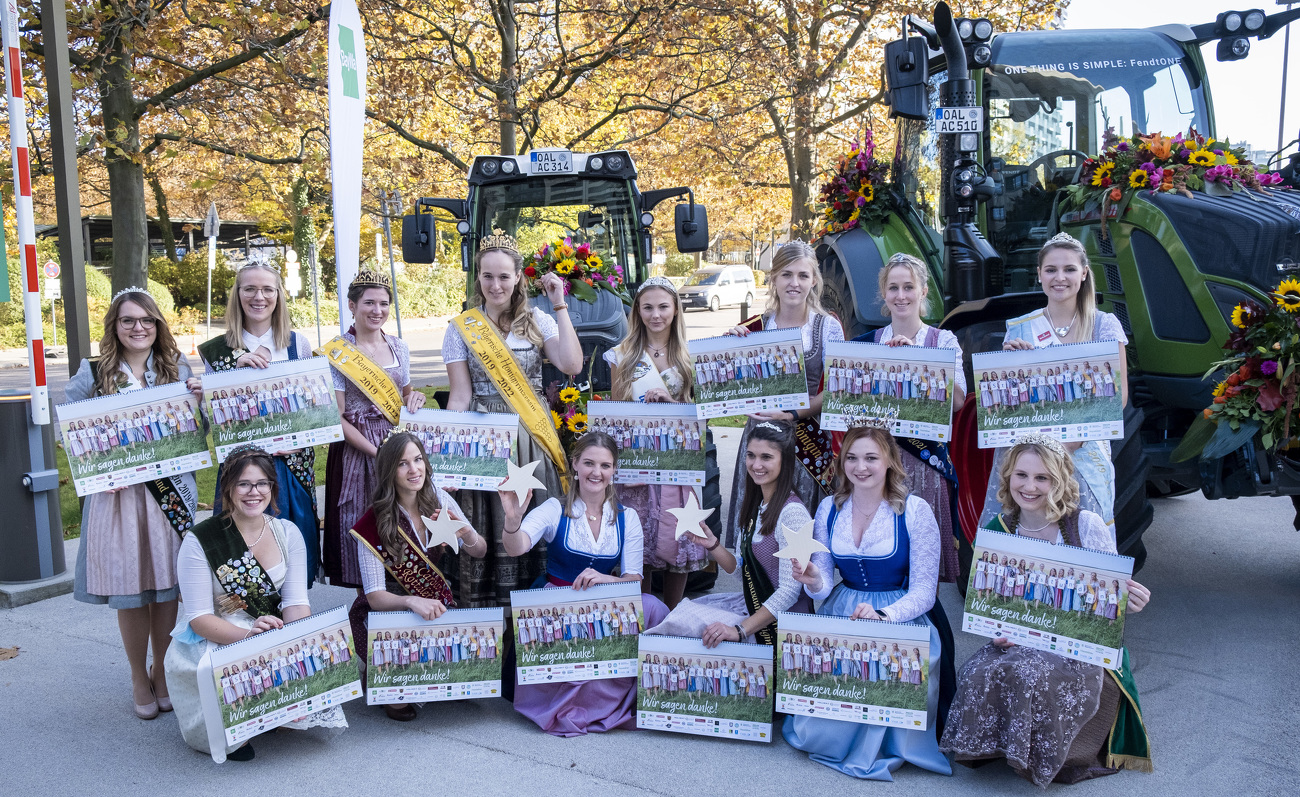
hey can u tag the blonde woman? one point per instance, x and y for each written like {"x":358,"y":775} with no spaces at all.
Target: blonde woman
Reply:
{"x":1049,"y":716}
{"x":130,"y":536}
{"x":652,"y":365}
{"x":794,"y":302}
{"x":501,"y":294}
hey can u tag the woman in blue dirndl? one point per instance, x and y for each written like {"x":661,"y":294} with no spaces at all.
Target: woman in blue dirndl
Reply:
{"x":885,"y":543}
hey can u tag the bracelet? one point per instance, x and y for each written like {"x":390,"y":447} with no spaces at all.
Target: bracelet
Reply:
{"x":559,"y":307}
{"x":794,"y":414}
{"x":714,"y":546}
{"x":740,"y":634}
{"x":510,"y":531}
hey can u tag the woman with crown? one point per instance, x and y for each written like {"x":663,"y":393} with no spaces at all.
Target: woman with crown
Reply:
{"x":130,"y":535}
{"x":885,"y":544}
{"x":1071,"y":316}
{"x":257,"y":334}
{"x":350,"y":473}
{"x":1052,"y":718}
{"x":501,"y":337}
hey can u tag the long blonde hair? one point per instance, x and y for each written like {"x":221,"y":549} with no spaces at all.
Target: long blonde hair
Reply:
{"x":787,"y":255}
{"x":280,"y":325}
{"x":519,"y":313}
{"x":630,"y":350}
{"x":166,"y":354}
{"x":1064,"y":497}
{"x":896,"y":490}
{"x":1086,"y":300}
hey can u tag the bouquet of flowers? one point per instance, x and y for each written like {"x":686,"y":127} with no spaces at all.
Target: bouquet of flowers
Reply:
{"x":857,"y":192}
{"x":583,"y":271}
{"x":1258,"y":393}
{"x":569,"y":410}
{"x":1159,"y":163}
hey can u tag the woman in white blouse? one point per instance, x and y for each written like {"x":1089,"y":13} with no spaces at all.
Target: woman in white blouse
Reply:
{"x":591,"y":540}
{"x":263,"y":585}
{"x":885,"y":544}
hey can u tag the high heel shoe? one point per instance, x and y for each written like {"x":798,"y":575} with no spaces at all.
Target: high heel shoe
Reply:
{"x":164,"y":703}
{"x":148,"y":711}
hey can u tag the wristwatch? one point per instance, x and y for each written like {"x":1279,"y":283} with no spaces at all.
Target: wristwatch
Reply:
{"x":794,"y":415}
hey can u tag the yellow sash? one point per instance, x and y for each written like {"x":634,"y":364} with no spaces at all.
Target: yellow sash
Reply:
{"x":500,"y":365}
{"x":362,"y":371}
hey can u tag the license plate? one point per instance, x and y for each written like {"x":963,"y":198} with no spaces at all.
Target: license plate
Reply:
{"x":552,"y":162}
{"x":958,"y":120}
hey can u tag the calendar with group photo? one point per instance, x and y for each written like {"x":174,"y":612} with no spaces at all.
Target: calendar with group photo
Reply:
{"x":659,"y":443}
{"x":723,"y":691}
{"x":1069,"y":392}
{"x":1067,"y":600}
{"x":909,"y":386}
{"x":761,"y":371}
{"x":455,"y":657}
{"x":862,"y":671}
{"x":271,"y":679}
{"x":291,"y":405}
{"x":567,"y":635}
{"x":128,"y":438}
{"x":466,"y":450}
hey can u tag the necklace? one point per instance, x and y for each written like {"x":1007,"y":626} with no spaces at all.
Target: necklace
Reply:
{"x":1061,"y":332}
{"x":654,"y":350}
{"x":1023,"y":527}
{"x":253,"y":544}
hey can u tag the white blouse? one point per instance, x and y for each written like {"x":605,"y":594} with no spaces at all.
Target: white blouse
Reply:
{"x":200,"y":589}
{"x":254,"y":342}
{"x":544,"y":522}
{"x":878,"y":540}
{"x":831,"y":330}
{"x":372,"y":568}
{"x":946,"y":340}
{"x":793,"y":517}
{"x":455,"y":351}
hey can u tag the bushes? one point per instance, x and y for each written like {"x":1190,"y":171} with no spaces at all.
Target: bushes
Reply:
{"x":188,"y":280}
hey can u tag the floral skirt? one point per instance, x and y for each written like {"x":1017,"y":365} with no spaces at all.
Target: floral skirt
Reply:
{"x":651,"y":503}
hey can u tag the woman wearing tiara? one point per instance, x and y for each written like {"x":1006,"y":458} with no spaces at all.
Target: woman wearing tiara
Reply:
{"x":653,"y":365}
{"x":794,"y":301}
{"x":130,"y":536}
{"x":350,"y":476}
{"x":1071,"y":316}
{"x":885,"y":545}
{"x":258,"y":333}
{"x":905,"y":293}
{"x":1051,"y":717}
{"x":501,"y":299}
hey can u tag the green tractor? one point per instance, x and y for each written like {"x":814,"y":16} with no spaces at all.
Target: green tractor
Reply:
{"x":1171,"y":268}
{"x":591,"y":198}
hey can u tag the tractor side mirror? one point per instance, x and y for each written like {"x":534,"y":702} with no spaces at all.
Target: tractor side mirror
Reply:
{"x":417,"y":238}
{"x":691,"y":227}
{"x":907,"y":72}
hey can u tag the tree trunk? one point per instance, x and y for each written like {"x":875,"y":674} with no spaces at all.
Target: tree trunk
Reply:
{"x":508,"y":81}
{"x":125,"y":171}
{"x":164,"y":218}
{"x":801,"y":172}
{"x":304,"y":231}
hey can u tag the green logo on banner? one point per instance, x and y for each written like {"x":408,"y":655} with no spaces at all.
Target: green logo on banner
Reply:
{"x":348,"y":62}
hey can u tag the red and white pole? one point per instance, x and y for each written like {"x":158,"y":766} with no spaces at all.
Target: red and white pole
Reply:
{"x":23,"y":201}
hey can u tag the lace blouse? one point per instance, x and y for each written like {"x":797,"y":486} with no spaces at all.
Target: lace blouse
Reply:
{"x":946,"y":340}
{"x":878,"y":540}
{"x":793,"y":517}
{"x":455,"y":351}
{"x":831,"y":330}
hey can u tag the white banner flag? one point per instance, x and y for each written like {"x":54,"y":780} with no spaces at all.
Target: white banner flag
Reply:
{"x":347,"y":82}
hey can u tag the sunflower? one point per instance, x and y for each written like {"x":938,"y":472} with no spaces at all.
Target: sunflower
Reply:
{"x":564,"y":266}
{"x":594,"y":262}
{"x":1201,"y":157}
{"x":1288,"y":294}
{"x":578,"y":423}
{"x":1139,"y":178}
{"x":555,"y":417}
{"x":1103,"y":171}
{"x":1218,"y":389}
{"x":868,"y":192}
{"x":569,"y":395}
{"x":1241,"y":316}
{"x":1230,"y":159}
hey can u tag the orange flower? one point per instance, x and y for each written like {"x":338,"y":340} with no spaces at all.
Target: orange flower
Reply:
{"x":1207,"y":412}
{"x":1219,"y":399}
{"x":1160,"y":146}
{"x":1116,"y":194}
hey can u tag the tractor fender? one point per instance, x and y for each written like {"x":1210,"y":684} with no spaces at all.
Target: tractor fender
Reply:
{"x":860,"y":259}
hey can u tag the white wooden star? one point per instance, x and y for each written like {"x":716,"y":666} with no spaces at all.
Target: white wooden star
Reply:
{"x":521,"y":480}
{"x":800,"y":545}
{"x":443,"y":530}
{"x":690,"y":517}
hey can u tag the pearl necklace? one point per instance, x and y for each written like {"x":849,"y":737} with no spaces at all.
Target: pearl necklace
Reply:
{"x":253,"y":544}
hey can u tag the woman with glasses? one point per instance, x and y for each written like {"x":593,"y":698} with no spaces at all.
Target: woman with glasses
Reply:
{"x":257,"y":334}
{"x":130,"y":535}
{"x":242,"y":572}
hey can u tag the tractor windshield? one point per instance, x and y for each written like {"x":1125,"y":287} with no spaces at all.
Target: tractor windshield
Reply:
{"x":537,"y":210}
{"x":1052,"y":95}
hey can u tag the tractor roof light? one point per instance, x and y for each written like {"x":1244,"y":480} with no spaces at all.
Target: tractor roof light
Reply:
{"x":1233,"y":48}
{"x":982,"y":55}
{"x":647,"y":219}
{"x":983,"y":29}
{"x":965,"y":29}
{"x":489,"y":167}
{"x":615,"y":162}
{"x":508,"y":167}
{"x":595,"y":163}
{"x":1229,"y":21}
{"x":1254,"y":20}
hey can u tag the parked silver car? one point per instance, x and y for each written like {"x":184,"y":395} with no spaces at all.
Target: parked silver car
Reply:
{"x":716,"y":286}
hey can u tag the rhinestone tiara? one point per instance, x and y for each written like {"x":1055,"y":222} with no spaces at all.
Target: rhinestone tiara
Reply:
{"x":498,"y":240}
{"x":131,"y":289}
{"x":657,"y":282}
{"x":1040,"y":439}
{"x":1063,"y":238}
{"x":372,"y":278}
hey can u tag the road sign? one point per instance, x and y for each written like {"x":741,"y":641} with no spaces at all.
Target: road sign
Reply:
{"x":212,"y":224}
{"x":51,"y":269}
{"x":53,"y":289}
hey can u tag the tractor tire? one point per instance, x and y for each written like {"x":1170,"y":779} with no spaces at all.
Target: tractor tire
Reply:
{"x":838,"y":299}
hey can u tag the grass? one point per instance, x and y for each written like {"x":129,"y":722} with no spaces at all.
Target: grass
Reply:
{"x":741,"y":709}
{"x":772,"y":386}
{"x":241,"y":431}
{"x":167,"y":448}
{"x":1085,"y":627}
{"x":661,"y":460}
{"x":435,"y":673}
{"x":1088,"y":411}
{"x":468,"y":466}
{"x":867,"y":693}
{"x":317,"y":684}
{"x":607,"y":649}
{"x":914,"y":410}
